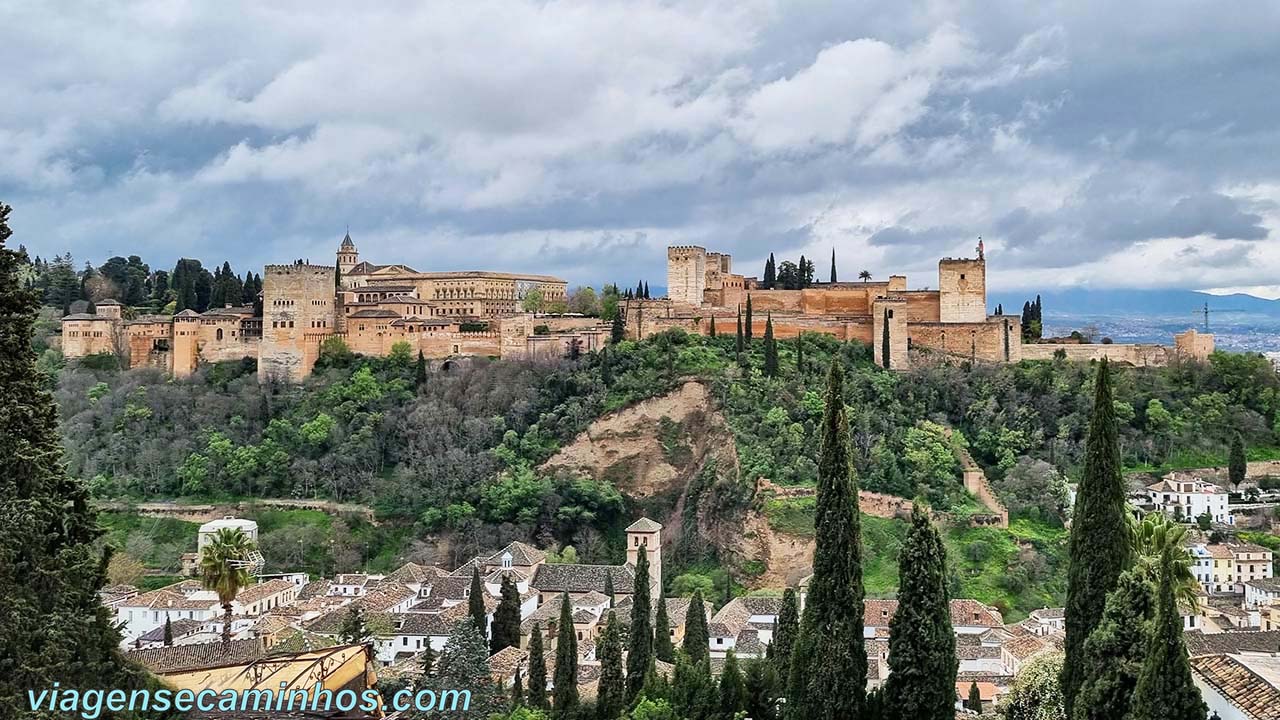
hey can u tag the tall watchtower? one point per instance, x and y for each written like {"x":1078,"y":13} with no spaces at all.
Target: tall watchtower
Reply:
{"x":647,"y":534}
{"x":962,"y":290}
{"x":348,"y":258}
{"x":297,"y":313}
{"x":686,"y":274}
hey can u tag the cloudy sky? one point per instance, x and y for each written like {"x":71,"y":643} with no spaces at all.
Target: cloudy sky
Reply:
{"x":1117,"y":144}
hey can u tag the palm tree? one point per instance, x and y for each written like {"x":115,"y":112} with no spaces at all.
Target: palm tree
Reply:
{"x":1149,"y":537}
{"x":864,"y":276}
{"x":224,"y":564}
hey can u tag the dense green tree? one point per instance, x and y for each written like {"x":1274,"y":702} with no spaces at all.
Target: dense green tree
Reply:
{"x":697,"y":639}
{"x":1237,"y":463}
{"x":420,"y":372}
{"x":1165,"y":689}
{"x":761,"y":682}
{"x":464,"y":664}
{"x":1115,"y":650}
{"x":427,"y":662}
{"x":662,"y":647}
{"x":829,"y":664}
{"x":608,"y":588}
{"x":770,"y":273}
{"x":747,"y":323}
{"x":711,"y":330}
{"x":922,"y":646}
{"x":53,"y":626}
{"x":611,"y":698}
{"x":537,"y":692}
{"x":738,"y":343}
{"x":565,"y":686}
{"x":733,"y":689}
{"x":974,"y":702}
{"x":884,"y":342}
{"x":694,"y":691}
{"x":833,"y":265}
{"x":1099,"y":546}
{"x":506,"y":619}
{"x":640,"y":641}
{"x":353,"y":630}
{"x":784,"y":633}
{"x":800,"y":353}
{"x":770,"y":348}
{"x":617,"y":331}
{"x":1037,"y":693}
{"x":475,"y":602}
{"x":168,"y":632}
{"x":517,"y":690}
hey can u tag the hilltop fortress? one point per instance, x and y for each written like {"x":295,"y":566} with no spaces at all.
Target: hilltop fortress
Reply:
{"x":372,"y":308}
{"x":951,"y":321}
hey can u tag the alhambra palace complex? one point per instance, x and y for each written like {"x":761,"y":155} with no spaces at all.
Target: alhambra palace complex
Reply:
{"x":478,"y":313}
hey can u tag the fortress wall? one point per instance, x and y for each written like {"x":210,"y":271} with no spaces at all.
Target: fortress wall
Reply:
{"x":922,"y":306}
{"x":1138,"y":355}
{"x":778,"y":301}
{"x":87,"y":337}
{"x":1193,"y":344}
{"x":997,"y":340}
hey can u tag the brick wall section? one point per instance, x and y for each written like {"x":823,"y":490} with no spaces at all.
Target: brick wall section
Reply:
{"x":1139,"y":355}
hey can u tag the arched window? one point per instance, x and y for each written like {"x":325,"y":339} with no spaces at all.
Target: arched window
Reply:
{"x":219,"y":333}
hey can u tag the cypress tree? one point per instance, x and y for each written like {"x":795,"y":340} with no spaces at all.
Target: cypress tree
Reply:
{"x":800,"y":353}
{"x":646,"y":290}
{"x":770,"y":349}
{"x":53,"y":627}
{"x":711,"y":331}
{"x":737,"y":341}
{"x":662,"y":647}
{"x":770,"y":273}
{"x":168,"y":632}
{"x":517,"y":691}
{"x":829,"y":662}
{"x":784,"y":633}
{"x":884,"y":341}
{"x":427,"y":661}
{"x":537,"y":689}
{"x":1099,"y":546}
{"x":475,"y":602}
{"x":1165,"y":690}
{"x":1237,"y":464}
{"x":608,"y":588}
{"x":975,"y":698}
{"x":506,"y":619}
{"x":733,"y":690}
{"x":420,"y":372}
{"x":611,"y":697}
{"x":697,"y":639}
{"x":833,"y":265}
{"x":464,"y":663}
{"x":761,"y":682}
{"x":565,"y":689}
{"x":640,"y":652}
{"x":1114,"y":653}
{"x":922,"y":644}
{"x":746,"y":328}
{"x":606,"y":368}
{"x":617,"y":332}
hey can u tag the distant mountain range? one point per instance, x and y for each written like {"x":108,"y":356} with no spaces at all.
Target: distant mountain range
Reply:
{"x":1085,"y":301}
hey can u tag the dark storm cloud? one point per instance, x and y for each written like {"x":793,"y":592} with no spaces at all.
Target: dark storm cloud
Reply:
{"x":582,"y":138}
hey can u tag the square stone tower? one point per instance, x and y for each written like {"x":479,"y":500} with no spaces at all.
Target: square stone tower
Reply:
{"x":647,"y":534}
{"x":297,"y":314}
{"x":686,"y":274}
{"x":962,"y":290}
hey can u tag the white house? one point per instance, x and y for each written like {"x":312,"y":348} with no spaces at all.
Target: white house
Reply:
{"x":1242,"y":686}
{"x":1187,"y":498}
{"x":211,"y":528}
{"x":1261,"y":593}
{"x":186,"y":600}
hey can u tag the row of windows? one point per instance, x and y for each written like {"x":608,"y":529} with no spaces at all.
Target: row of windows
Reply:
{"x":78,"y":333}
{"x":281,"y":323}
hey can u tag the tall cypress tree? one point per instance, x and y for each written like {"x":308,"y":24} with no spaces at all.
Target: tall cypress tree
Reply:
{"x":829,"y":663}
{"x":922,"y":644}
{"x":517,"y":690}
{"x":733,"y":690}
{"x":784,"y":634}
{"x":1237,"y":463}
{"x":168,"y":631}
{"x":975,"y":698}
{"x":506,"y":619}
{"x":1165,"y":690}
{"x":640,"y":651}
{"x":833,"y":265}
{"x":1114,"y":653}
{"x":697,"y":639}
{"x":611,"y":698}
{"x":770,"y":273}
{"x":646,"y":290}
{"x":1099,"y":544}
{"x":761,"y":681}
{"x":53,"y":626}
{"x":746,"y":326}
{"x":770,"y":349}
{"x":475,"y":603}
{"x":617,"y":331}
{"x":737,"y":341}
{"x":711,"y":331}
{"x":427,"y":662}
{"x":565,"y":690}
{"x":537,"y":688}
{"x":420,"y":372}
{"x":884,"y":341}
{"x":662,"y":648}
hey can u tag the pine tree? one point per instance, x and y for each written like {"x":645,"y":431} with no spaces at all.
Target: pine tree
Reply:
{"x":697,"y":639}
{"x":829,"y":662}
{"x":922,"y":645}
{"x":1165,"y":690}
{"x":1114,"y":652}
{"x":611,"y":697}
{"x":537,"y":688}
{"x":746,"y":326}
{"x":711,"y":331}
{"x":475,"y":602}
{"x":662,"y":647}
{"x":770,"y":348}
{"x":833,"y":265}
{"x":618,"y":331}
{"x":784,"y":634}
{"x":420,"y":373}
{"x":168,"y":632}
{"x":640,"y":651}
{"x":1099,"y":545}
{"x":506,"y":619}
{"x":464,"y":664}
{"x":733,"y":690}
{"x":565,"y":685}
{"x":975,"y":698}
{"x":1237,"y":464}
